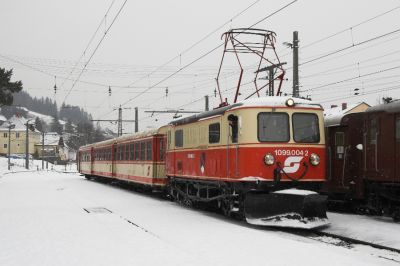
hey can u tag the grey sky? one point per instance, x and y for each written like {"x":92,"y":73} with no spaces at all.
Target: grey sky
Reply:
{"x":44,"y":38}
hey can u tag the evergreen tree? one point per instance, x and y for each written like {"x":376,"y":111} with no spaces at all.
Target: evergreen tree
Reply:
{"x":55,"y":125}
{"x":68,"y":127}
{"x":38,"y":124}
{"x":7,"y":88}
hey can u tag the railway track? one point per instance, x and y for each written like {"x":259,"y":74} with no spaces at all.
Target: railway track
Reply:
{"x":381,"y":251}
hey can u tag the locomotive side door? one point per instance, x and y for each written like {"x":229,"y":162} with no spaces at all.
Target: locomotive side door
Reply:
{"x":397,"y":134}
{"x":233,"y":147}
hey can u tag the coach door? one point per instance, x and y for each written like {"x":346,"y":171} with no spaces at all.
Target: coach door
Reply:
{"x":113,"y":159}
{"x":91,"y":160}
{"x":337,"y":155}
{"x":371,"y":144}
{"x":397,"y":128}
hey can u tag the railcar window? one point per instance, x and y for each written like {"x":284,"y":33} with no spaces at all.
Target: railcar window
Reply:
{"x":149,"y":154}
{"x":305,"y":127}
{"x":142,"y":150}
{"x":137,"y":151}
{"x":214,"y":133}
{"x":273,"y":127}
{"x":398,"y":129}
{"x":132,"y":152}
{"x":179,"y":138}
{"x":162,"y":149}
{"x":373,"y":129}
{"x":127,"y":152}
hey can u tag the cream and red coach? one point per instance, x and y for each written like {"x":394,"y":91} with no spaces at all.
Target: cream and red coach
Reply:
{"x":138,"y":158}
{"x":261,"y":158}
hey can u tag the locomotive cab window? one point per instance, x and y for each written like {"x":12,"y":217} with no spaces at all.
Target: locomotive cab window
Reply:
{"x":233,"y":123}
{"x":398,"y":129}
{"x":273,"y":127}
{"x":179,"y":138}
{"x":214,"y":133}
{"x":305,"y":128}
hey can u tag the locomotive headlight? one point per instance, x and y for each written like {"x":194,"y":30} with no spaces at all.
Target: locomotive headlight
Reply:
{"x":290,"y":102}
{"x":314,"y":159}
{"x":269,"y":159}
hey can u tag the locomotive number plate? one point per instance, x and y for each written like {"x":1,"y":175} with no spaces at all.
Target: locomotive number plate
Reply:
{"x":291,"y":152}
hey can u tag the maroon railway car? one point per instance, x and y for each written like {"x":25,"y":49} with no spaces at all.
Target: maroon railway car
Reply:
{"x":364,"y":160}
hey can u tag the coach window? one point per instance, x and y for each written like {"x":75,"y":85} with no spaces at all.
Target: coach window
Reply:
{"x":162,"y":149}
{"x":214,"y":133}
{"x":149,"y":154}
{"x":273,"y":127}
{"x":339,"y":144}
{"x":131,"y":151}
{"x":137,"y":151}
{"x":305,"y":128}
{"x":127,"y":152}
{"x":398,"y":129}
{"x":179,"y":138}
{"x":142,"y":150}
{"x":5,"y":135}
{"x":373,"y":132}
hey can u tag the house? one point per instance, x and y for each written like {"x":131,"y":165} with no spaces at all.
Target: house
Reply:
{"x":17,"y":137}
{"x":54,"y":149}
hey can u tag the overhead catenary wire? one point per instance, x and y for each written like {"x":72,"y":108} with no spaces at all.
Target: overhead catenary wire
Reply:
{"x":95,"y":50}
{"x":351,"y":46}
{"x":89,"y":43}
{"x":349,"y":28}
{"x":352,"y":78}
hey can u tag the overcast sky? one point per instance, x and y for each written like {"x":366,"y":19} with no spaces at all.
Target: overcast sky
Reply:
{"x":44,"y":39}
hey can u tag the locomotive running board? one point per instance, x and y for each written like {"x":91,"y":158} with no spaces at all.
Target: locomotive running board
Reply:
{"x":286,"y":208}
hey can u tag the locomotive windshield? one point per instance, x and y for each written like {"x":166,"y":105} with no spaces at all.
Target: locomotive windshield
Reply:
{"x":305,"y":128}
{"x":273,"y":127}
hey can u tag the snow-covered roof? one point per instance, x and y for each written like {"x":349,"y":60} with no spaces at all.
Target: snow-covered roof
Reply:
{"x":3,"y":118}
{"x":278,"y":101}
{"x":19,"y":123}
{"x":50,"y":138}
{"x":334,"y":115}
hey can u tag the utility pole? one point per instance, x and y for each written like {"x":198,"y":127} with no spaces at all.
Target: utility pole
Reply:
{"x":296,"y":91}
{"x":42,"y":150}
{"x":27,"y":145}
{"x":207,"y":107}
{"x":10,"y":126}
{"x":119,"y":121}
{"x":271,"y":70}
{"x":136,"y":120}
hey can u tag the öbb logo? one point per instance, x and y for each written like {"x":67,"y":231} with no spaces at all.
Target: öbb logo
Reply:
{"x":292,"y":164}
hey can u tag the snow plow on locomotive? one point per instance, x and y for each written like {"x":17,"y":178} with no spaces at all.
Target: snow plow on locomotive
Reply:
{"x":261,"y":159}
{"x":364,"y":154}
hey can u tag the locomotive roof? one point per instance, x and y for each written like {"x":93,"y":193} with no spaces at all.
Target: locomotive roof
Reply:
{"x":271,"y":101}
{"x":123,"y":138}
{"x":392,"y":107}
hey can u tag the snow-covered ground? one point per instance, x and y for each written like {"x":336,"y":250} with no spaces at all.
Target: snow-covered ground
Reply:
{"x":55,"y":218}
